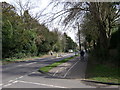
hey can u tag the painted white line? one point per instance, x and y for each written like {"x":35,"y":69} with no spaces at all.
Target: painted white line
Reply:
{"x":7,"y":85}
{"x":27,"y":64}
{"x":33,"y":72}
{"x":11,"y":81}
{"x":16,"y":78}
{"x":31,"y":63}
{"x":15,"y":82}
{"x":20,"y":65}
{"x":70,"y":69}
{"x":0,"y":84}
{"x":42,"y":84}
{"x":55,"y":73}
{"x":21,"y":77}
{"x":66,"y":64}
{"x":62,"y":67}
{"x":58,"y":70}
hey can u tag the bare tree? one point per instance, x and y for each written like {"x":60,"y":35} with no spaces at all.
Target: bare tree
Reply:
{"x":104,"y":14}
{"x":23,"y":6}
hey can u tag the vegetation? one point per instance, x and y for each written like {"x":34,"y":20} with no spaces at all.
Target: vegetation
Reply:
{"x":102,"y":33}
{"x":100,"y":28}
{"x":23,"y":36}
{"x":69,"y":43}
{"x":102,"y":72}
{"x":98,"y":20}
{"x":49,"y":67}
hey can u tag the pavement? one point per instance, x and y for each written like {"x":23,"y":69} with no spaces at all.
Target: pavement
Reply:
{"x":73,"y":69}
{"x":26,"y":75}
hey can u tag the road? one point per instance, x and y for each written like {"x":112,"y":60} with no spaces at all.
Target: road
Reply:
{"x":25,"y":75}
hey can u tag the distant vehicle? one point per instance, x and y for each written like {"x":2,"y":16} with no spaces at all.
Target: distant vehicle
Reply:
{"x":70,"y":51}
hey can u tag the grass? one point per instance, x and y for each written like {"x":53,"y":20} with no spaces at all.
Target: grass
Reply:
{"x":103,"y":73}
{"x":49,"y":67}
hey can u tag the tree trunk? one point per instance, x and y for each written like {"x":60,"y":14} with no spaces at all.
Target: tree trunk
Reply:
{"x":103,"y":41}
{"x":94,"y":45}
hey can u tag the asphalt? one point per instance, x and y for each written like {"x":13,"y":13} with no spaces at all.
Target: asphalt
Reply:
{"x":77,"y":70}
{"x":26,"y":75}
{"x":73,"y":69}
{"x":15,"y":70}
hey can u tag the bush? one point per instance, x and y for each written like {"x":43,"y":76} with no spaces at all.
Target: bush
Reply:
{"x":19,"y":55}
{"x":99,"y":55}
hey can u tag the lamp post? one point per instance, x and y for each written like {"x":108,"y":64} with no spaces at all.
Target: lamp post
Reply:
{"x":78,"y":36}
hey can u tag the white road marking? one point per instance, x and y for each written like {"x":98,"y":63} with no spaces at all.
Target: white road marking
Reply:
{"x":21,"y":77}
{"x":11,"y":81}
{"x":58,"y":57}
{"x":7,"y":85}
{"x":62,"y":67}
{"x":66,"y":64}
{"x":70,"y":69}
{"x":55,"y":73}
{"x":15,"y":82}
{"x":33,"y":72}
{"x":20,"y":65}
{"x":28,"y":64}
{"x":42,"y":84}
{"x":31,"y":63}
{"x":16,"y":78}
{"x":58,"y":70}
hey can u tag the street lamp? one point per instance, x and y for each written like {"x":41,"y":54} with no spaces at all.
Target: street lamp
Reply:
{"x":78,"y":36}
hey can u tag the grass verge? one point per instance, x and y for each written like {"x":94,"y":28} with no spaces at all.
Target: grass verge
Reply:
{"x":102,"y":72}
{"x":49,"y":67}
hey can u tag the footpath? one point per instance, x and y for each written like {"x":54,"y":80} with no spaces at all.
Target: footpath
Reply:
{"x":73,"y":69}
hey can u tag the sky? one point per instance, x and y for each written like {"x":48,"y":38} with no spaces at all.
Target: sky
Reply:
{"x":40,"y":5}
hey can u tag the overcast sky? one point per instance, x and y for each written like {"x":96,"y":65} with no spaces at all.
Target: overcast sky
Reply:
{"x":40,"y":5}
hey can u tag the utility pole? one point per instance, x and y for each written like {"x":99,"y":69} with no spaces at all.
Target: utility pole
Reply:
{"x":79,"y":37}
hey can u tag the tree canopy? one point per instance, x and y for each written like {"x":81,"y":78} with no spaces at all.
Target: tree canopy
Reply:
{"x":24,"y":36}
